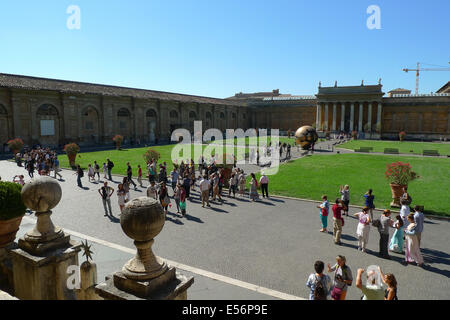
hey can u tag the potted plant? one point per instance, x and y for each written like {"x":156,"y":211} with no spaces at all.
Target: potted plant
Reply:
{"x":151,"y":154}
{"x":71,"y":149}
{"x":399,"y":174}
{"x":402,"y":135}
{"x":12,"y":209}
{"x":15,"y":145}
{"x":118,"y":139}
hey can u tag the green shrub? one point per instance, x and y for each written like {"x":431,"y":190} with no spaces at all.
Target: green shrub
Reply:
{"x":11,"y":204}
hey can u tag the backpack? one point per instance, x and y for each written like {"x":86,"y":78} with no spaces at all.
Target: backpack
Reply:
{"x":81,"y":173}
{"x":345,"y":274}
{"x":319,"y":292}
{"x":112,"y":164}
{"x":376,"y":223}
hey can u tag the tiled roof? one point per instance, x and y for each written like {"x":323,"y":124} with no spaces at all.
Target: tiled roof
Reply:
{"x":35,"y":83}
{"x":445,"y":88}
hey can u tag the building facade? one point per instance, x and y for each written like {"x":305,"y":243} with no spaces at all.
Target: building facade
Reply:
{"x":54,"y":112}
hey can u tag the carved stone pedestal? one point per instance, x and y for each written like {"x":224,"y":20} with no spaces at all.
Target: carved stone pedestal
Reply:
{"x":6,"y":270}
{"x":44,"y":277}
{"x":40,"y":264}
{"x":171,"y":285}
{"x":146,"y":276}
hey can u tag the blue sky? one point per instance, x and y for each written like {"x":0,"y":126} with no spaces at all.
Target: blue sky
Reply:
{"x":217,"y":48}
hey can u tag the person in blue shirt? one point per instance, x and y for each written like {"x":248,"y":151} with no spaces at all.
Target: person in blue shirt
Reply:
{"x":320,"y":281}
{"x":368,"y":202}
{"x":324,"y":209}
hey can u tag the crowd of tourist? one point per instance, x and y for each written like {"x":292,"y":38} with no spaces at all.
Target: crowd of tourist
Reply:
{"x":408,"y":226}
{"x":211,"y":178}
{"x":44,"y":161}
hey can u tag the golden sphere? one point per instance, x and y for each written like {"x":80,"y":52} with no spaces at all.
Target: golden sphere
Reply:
{"x":306,"y":136}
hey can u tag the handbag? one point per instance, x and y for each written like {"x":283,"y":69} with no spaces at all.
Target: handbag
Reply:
{"x":336,"y":293}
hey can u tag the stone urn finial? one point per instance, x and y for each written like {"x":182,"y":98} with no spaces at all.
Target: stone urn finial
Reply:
{"x":142,"y":220}
{"x":41,"y":195}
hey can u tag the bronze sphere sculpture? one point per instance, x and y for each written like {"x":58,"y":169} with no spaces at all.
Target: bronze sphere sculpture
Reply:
{"x":306,"y":136}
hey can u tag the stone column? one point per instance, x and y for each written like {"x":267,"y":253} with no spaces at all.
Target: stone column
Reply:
{"x":352,"y":115}
{"x":379,"y":115}
{"x":325,"y":127}
{"x":41,"y":262}
{"x":369,"y":117}
{"x":318,"y":116}
{"x":343,"y":116}
{"x":360,"y":118}
{"x":334,"y":117}
{"x":146,"y":276}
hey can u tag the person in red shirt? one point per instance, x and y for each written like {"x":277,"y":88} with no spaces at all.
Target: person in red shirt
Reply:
{"x":338,"y":221}
{"x":139,"y":179}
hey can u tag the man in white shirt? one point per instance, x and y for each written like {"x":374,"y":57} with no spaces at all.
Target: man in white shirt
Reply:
{"x":264,"y":182}
{"x":204,"y":189}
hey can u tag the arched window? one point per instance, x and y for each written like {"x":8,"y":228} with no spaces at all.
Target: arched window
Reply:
{"x":174,"y":114}
{"x":151,"y":113}
{"x":192,"y":115}
{"x":222,"y":115}
{"x":123,"y":112}
{"x":47,"y":110}
{"x":208,"y":115}
{"x":3,"y":110}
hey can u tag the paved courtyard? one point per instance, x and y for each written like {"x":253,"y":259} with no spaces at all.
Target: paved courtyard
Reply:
{"x":271,"y":244}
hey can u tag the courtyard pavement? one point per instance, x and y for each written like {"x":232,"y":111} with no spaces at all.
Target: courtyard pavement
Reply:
{"x":271,"y":244}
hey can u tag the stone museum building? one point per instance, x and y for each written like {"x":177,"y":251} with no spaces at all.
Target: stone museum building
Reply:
{"x":53,"y":112}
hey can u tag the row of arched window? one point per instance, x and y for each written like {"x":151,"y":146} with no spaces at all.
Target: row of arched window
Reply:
{"x":50,"y":110}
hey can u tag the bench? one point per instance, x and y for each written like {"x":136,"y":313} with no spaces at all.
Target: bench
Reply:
{"x":430,"y":153}
{"x":365,"y":149}
{"x":390,"y":151}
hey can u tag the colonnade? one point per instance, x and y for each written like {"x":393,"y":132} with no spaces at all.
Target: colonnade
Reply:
{"x":323,"y":113}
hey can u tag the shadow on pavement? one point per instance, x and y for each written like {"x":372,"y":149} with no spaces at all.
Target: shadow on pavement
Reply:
{"x":218,"y":210}
{"x":192,"y":218}
{"x":176,"y":221}
{"x":435,"y":256}
{"x":266,"y":203}
{"x":347,"y":237}
{"x":229,"y":203}
{"x":114,"y":219}
{"x":276,"y":200}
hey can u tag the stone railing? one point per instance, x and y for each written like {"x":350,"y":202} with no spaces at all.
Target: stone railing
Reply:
{"x":402,"y":95}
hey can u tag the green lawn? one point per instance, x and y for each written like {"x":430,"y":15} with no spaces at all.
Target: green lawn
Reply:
{"x":247,"y":139}
{"x":134,"y":156}
{"x":312,"y":176}
{"x":403,"y":147}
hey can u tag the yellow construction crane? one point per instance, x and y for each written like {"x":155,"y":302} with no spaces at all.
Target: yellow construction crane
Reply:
{"x":424,"y":69}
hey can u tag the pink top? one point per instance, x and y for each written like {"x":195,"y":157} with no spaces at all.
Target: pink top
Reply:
{"x":363,"y":217}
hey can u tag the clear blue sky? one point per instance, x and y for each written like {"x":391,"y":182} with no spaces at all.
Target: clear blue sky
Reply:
{"x":219,"y":47}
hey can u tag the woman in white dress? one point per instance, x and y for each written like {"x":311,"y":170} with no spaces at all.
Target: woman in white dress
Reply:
{"x":121,"y":196}
{"x":412,"y":248}
{"x":91,"y":173}
{"x":362,"y":231}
